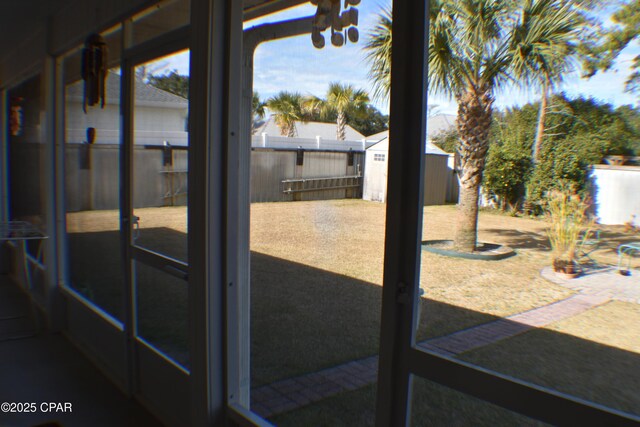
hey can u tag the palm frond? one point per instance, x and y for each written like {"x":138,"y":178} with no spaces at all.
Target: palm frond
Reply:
{"x":287,"y":108}
{"x":378,"y":54}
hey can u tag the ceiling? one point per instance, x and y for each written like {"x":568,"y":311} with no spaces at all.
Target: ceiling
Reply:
{"x":21,"y":20}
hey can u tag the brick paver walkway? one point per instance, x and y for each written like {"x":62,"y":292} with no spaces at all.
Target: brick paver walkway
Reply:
{"x":602,"y":281}
{"x":293,"y":393}
{"x":479,"y":336}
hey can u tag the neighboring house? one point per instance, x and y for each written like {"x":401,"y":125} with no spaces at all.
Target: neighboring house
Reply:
{"x":438,"y":175}
{"x":309,"y":130}
{"x":158,"y":115}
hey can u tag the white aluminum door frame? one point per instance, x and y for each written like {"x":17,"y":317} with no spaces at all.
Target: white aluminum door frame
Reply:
{"x":400,"y":359}
{"x":149,"y":368}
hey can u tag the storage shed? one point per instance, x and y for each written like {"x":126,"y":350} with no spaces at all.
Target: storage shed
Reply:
{"x":375,"y":172}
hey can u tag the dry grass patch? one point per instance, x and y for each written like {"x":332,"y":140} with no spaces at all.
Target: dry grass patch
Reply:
{"x":316,"y":275}
{"x":342,"y":236}
{"x":593,"y":355}
{"x":615,"y":324}
{"x":347,"y":237}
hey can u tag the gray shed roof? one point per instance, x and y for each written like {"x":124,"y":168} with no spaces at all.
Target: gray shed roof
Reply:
{"x":145,"y":94}
{"x":310,"y":130}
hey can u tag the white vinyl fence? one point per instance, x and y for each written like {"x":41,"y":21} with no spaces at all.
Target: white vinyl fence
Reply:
{"x":616,"y":191}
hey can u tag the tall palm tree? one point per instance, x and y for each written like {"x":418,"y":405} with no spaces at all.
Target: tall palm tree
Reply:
{"x":287,"y":108}
{"x":475,"y":47}
{"x":547,"y":51}
{"x":344,"y":101}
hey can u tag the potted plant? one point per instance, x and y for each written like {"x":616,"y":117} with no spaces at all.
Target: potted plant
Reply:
{"x":570,"y":227}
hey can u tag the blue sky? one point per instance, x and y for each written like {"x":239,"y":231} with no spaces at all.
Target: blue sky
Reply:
{"x":293,"y":64}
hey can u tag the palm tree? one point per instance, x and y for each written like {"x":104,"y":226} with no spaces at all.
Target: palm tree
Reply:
{"x":258,"y":110}
{"x":547,"y":51}
{"x":342,"y":100}
{"x":475,"y":47}
{"x":287,"y":108}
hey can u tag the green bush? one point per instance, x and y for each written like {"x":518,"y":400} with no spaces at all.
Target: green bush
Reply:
{"x":567,"y":162}
{"x":509,"y":160}
{"x":579,"y":133}
{"x":506,"y":174}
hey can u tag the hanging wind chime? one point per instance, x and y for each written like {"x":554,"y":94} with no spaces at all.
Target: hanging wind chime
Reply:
{"x":94,"y":71}
{"x":343,"y":24}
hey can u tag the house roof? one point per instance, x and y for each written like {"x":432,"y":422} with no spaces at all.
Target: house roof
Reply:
{"x":383,"y":146}
{"x":439,"y":123}
{"x":145,"y":94}
{"x":310,"y":130}
{"x":435,"y":125}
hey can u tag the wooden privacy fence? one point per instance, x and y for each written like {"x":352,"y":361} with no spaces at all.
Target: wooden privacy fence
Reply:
{"x":160,"y":175}
{"x":271,"y":169}
{"x":92,"y":176}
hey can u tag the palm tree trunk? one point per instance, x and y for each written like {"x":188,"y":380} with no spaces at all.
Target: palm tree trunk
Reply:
{"x":291,"y":130}
{"x":467,"y":218}
{"x":475,"y":108}
{"x":541,"y":117}
{"x":341,"y":121}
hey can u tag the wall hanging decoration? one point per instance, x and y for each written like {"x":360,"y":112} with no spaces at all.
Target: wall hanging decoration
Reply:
{"x":328,"y":15}
{"x":16,"y":117}
{"x":94,"y":71}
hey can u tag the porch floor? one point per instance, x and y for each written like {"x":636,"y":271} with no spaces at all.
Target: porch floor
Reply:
{"x":45,"y":367}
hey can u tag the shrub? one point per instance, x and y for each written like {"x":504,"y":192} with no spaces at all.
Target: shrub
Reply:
{"x":506,"y":174}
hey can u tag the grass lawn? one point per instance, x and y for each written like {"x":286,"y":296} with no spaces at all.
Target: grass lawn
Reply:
{"x":588,"y":356}
{"x":316,"y":272}
{"x":594,"y":355}
{"x":432,"y":405}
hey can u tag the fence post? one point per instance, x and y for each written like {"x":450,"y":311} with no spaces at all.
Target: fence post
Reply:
{"x":364,"y":144}
{"x":318,"y":138}
{"x":264,"y":139}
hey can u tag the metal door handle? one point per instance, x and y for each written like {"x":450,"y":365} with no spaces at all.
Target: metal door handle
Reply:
{"x":136,"y":228}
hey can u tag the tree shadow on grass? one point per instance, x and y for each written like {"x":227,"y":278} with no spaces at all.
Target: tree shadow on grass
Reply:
{"x":305,"y":319}
{"x":522,"y":239}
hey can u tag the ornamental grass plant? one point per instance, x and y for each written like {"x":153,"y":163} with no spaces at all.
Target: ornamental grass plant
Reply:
{"x":570,"y":227}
